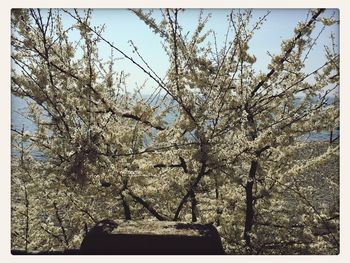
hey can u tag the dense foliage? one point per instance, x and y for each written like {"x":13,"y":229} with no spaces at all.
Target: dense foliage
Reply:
{"x":215,"y":142}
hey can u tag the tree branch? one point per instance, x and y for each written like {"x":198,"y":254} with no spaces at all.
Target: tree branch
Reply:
{"x":147,"y":206}
{"x":288,"y":52}
{"x":61,"y":224}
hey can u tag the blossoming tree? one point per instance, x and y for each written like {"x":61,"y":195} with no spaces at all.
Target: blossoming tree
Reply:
{"x":231,"y":153}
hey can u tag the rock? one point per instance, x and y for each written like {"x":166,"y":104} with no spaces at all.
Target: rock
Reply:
{"x":151,"y":238}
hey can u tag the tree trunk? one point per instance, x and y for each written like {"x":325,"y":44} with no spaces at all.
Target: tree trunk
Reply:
{"x":127,"y":212}
{"x":217,"y":198}
{"x":60,"y":222}
{"x":192,"y":188}
{"x":249,"y":215}
{"x":27,"y":219}
{"x":147,"y":206}
{"x":331,"y":136}
{"x":193,"y":206}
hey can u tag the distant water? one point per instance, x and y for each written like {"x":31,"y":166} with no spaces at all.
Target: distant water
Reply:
{"x":319,"y":136}
{"x":19,"y":121}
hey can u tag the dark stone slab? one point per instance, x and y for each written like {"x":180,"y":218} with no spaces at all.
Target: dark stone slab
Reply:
{"x":151,"y":238}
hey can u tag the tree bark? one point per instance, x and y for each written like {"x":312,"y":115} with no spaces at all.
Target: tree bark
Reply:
{"x":147,"y":206}
{"x":192,"y":188}
{"x":59,"y":219}
{"x":331,"y":136}
{"x":27,"y":219}
{"x":193,"y":206}
{"x":249,"y":218}
{"x":127,"y":212}
{"x":217,"y":198}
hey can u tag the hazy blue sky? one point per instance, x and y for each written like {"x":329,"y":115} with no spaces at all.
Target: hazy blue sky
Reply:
{"x":122,"y":25}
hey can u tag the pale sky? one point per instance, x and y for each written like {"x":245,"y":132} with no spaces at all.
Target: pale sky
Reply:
{"x":122,"y":25}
